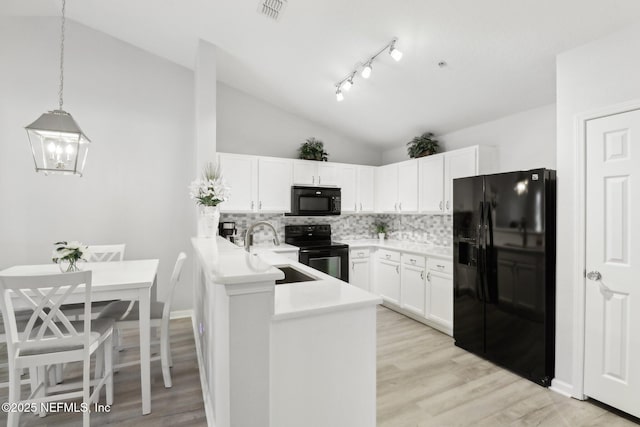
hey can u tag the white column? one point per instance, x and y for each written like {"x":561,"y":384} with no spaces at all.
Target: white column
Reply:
{"x":205,"y":110}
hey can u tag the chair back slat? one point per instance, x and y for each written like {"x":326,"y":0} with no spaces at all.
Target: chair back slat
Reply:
{"x":44,"y":295}
{"x":106,"y":253}
{"x":175,"y":278}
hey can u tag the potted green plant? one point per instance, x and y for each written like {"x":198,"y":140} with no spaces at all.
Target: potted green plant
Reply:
{"x":423,"y":145}
{"x":313,"y":149}
{"x":381,"y":228}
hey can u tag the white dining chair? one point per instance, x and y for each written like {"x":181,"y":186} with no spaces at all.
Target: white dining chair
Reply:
{"x":127,"y":316}
{"x":50,"y":338}
{"x":97,"y":253}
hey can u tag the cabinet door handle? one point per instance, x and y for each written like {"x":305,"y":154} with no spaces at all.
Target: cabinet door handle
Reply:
{"x":440,"y":266}
{"x":422,"y":275}
{"x":388,"y":256}
{"x":260,"y":204}
{"x":355,"y":207}
{"x":447,"y":205}
{"x":319,"y":177}
{"x":428,"y":277}
{"x":360,"y":207}
{"x":353,"y":265}
{"x":252,"y":204}
{"x":400,"y":206}
{"x":440,"y":204}
{"x":313,"y":179}
{"x":412,"y":261}
{"x":398,"y":269}
{"x":395,"y":206}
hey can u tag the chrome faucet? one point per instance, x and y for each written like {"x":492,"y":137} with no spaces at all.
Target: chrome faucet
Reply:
{"x":248,"y":237}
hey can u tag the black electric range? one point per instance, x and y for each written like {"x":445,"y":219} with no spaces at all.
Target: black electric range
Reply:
{"x":318,"y":251}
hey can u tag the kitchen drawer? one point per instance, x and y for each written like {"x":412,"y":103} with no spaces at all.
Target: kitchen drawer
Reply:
{"x":417,"y":260}
{"x":359,"y":253}
{"x":389,"y":255}
{"x":440,"y":265}
{"x":293,"y":255}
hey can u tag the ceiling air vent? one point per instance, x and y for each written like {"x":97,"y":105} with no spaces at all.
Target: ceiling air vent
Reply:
{"x":272,"y":8}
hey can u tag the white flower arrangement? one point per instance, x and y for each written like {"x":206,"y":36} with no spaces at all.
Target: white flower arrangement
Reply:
{"x":211,"y":189}
{"x":71,"y":252}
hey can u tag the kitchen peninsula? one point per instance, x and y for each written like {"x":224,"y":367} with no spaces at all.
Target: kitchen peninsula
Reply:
{"x":299,"y":353}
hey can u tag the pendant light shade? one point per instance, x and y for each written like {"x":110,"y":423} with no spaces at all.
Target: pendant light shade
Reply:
{"x":58,"y":144}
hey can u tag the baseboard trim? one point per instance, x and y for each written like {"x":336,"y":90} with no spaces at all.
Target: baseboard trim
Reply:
{"x":208,"y":409}
{"x":181,"y":314}
{"x":561,"y":387}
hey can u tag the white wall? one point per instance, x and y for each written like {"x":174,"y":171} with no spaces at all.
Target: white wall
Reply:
{"x":138,"y":111}
{"x":525,"y":140}
{"x":593,"y":76}
{"x":247,"y":125}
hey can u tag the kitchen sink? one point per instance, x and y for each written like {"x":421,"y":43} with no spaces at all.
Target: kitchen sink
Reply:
{"x":293,"y":275}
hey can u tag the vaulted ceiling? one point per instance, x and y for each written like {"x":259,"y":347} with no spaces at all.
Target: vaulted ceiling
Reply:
{"x":500,"y":54}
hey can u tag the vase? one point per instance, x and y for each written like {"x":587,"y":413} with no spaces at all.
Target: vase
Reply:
{"x":68,"y":266}
{"x":381,"y":237}
{"x":209,"y":219}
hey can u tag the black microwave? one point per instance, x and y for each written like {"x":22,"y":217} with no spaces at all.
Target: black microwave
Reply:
{"x":314,"y":201}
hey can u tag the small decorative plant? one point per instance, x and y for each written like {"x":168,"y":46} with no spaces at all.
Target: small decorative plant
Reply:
{"x":68,"y":254}
{"x":313,"y":149}
{"x":423,"y":145}
{"x":381,"y":227}
{"x":211,"y":189}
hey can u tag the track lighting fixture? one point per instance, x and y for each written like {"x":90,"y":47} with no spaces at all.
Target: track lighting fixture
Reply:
{"x":365,"y":68}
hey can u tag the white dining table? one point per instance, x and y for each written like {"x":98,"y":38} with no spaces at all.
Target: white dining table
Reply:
{"x":121,"y":280}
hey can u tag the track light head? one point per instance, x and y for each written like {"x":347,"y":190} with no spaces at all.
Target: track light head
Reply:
{"x":339,"y":95}
{"x":366,"y":71}
{"x":394,"y":52}
{"x":346,"y":85}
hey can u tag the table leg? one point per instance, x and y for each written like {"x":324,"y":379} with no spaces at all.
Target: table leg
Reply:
{"x":145,"y":351}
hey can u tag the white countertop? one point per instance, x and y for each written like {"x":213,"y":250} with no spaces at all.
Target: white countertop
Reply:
{"x":412,"y":247}
{"x":228,"y":264}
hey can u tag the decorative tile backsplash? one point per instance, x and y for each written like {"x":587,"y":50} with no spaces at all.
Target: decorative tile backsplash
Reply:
{"x":434,"y":229}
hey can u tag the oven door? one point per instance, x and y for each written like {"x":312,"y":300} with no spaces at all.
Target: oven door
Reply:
{"x":334,"y":262}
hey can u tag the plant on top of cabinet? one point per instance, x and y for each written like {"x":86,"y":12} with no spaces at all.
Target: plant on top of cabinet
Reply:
{"x":313,"y":149}
{"x":423,"y":145}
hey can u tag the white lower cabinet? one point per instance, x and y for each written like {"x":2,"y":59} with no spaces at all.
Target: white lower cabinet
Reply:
{"x":413,"y":284}
{"x":359,"y":275}
{"x":388,"y":280}
{"x":440,"y":294}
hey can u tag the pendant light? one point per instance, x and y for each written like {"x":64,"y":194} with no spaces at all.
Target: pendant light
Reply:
{"x":57,"y":143}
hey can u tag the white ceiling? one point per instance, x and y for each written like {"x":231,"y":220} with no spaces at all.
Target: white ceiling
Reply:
{"x":500,"y":53}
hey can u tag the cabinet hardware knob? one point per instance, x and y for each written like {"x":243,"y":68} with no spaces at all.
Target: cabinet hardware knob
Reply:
{"x":252,"y":204}
{"x":413,"y":261}
{"x":400,"y":206}
{"x":422,"y":275}
{"x":440,"y":204}
{"x":388,"y":256}
{"x":313,"y":179}
{"x":398,"y":269}
{"x":428,"y":277}
{"x":353,"y":265}
{"x":447,"y":205}
{"x":360,"y":207}
{"x":260,"y":205}
{"x":439,"y":266}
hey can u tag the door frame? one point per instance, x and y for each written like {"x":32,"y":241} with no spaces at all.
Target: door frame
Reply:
{"x":580,"y":249}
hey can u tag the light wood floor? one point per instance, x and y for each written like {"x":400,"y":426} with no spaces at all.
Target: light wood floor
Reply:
{"x":423,"y":380}
{"x":180,"y":405}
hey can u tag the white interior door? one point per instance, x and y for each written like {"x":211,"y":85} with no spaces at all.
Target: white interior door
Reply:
{"x":612,"y":334}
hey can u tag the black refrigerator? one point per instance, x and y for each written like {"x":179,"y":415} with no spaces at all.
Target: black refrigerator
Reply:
{"x":504,"y":238}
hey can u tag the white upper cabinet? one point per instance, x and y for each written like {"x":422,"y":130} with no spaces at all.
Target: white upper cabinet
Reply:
{"x":257,"y":183}
{"x":348,"y":182}
{"x":408,"y":186}
{"x":357,"y":185}
{"x":240,"y":173}
{"x":386,"y":185}
{"x":397,"y":187}
{"x":274,"y":184}
{"x":366,"y":189}
{"x":311,"y":172}
{"x":431,"y":183}
{"x":476,"y":160}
